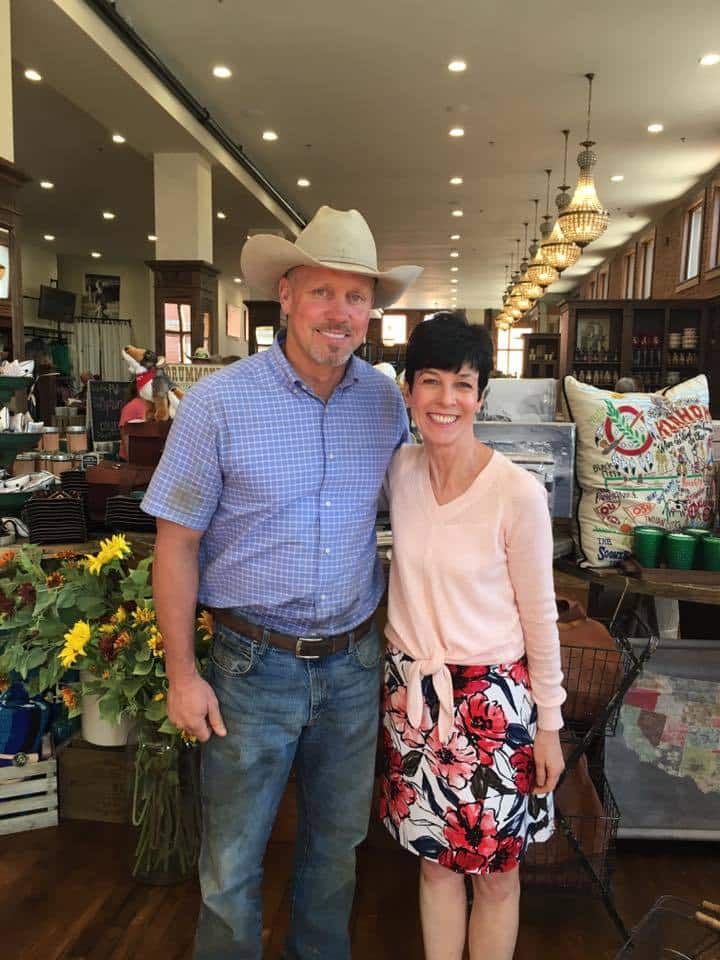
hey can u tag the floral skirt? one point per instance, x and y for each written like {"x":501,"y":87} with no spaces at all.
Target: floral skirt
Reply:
{"x":465,"y":804}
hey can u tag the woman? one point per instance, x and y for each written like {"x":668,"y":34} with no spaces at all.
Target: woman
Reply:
{"x":133,"y":409}
{"x":471,"y":752}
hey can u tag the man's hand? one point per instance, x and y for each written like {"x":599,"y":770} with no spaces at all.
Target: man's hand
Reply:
{"x":192,"y":706}
{"x":549,"y":760}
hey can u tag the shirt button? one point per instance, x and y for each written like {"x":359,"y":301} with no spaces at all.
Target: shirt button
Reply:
{"x":327,"y":550}
{"x":331,"y":456}
{"x":328,"y":503}
{"x":323,"y":597}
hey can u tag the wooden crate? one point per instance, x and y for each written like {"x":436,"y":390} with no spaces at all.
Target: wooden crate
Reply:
{"x":95,"y":782}
{"x":28,"y":797}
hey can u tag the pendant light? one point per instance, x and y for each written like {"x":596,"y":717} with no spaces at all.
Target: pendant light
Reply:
{"x":539,"y":271}
{"x":517,"y":297}
{"x":557,"y":250}
{"x":585,"y":219}
{"x":527,"y":286}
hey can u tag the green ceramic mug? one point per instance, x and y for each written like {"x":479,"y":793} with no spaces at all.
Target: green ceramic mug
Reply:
{"x":711,"y":553}
{"x":700,"y":534}
{"x":648,"y":544}
{"x":680,"y":551}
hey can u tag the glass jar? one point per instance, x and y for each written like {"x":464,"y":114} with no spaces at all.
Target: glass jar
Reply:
{"x":45,"y":461}
{"x":165,"y":807}
{"x":76,"y":439}
{"x":24,"y":464}
{"x":60,"y":462}
{"x":50,"y":439}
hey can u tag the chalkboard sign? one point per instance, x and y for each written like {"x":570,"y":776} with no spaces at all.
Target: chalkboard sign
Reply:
{"x":106,"y":398}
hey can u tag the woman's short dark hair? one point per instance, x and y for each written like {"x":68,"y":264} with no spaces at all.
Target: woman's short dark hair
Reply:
{"x":446,"y":342}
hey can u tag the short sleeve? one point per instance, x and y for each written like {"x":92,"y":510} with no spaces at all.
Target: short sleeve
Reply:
{"x":187,"y":483}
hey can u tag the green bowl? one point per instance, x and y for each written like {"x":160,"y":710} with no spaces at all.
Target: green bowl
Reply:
{"x":13,"y":443}
{"x":11,"y":504}
{"x":11,"y":385}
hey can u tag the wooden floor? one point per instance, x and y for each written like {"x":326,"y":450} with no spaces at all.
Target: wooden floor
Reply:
{"x":65,"y":894}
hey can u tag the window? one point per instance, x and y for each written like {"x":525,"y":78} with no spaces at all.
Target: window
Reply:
{"x":603,"y":286}
{"x":692,"y":238}
{"x":176,"y":334}
{"x":394,"y":329}
{"x":714,"y":259}
{"x":647,"y":254}
{"x":630,"y":275}
{"x":510,"y":345}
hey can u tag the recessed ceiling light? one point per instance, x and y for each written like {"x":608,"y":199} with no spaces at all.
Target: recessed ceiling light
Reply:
{"x":152,"y":238}
{"x":95,"y":255}
{"x":457,"y":213}
{"x":454,"y":253}
{"x":47,"y":184}
{"x":220,"y":215}
{"x":456,"y":132}
{"x":222,"y":72}
{"x":656,"y":128}
{"x":454,"y":280}
{"x":269,"y":135}
{"x":454,"y":236}
{"x":237,"y":279}
{"x":456,"y":181}
{"x":617,"y":178}
{"x":457,"y":66}
{"x":108,"y":215}
{"x":33,"y":75}
{"x":454,"y":269}
{"x":709,"y":59}
{"x":118,"y":138}
{"x":303,"y":182}
{"x":48,"y":236}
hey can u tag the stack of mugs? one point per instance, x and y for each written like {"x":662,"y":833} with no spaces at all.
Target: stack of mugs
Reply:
{"x":689,"y":338}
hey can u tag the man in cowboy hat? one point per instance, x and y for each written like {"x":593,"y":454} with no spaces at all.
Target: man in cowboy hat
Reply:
{"x":265,"y":499}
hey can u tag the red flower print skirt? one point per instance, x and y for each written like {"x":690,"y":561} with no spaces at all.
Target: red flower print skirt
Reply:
{"x":466,"y":803}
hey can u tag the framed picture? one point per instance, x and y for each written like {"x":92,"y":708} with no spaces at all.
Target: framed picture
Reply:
{"x":662,"y":764}
{"x":593,"y":334}
{"x":101,"y":297}
{"x":236,"y":321}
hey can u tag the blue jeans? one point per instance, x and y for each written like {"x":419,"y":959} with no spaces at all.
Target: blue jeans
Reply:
{"x":322,"y":716}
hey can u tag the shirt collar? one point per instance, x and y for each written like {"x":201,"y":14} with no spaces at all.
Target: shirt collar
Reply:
{"x":290,"y":376}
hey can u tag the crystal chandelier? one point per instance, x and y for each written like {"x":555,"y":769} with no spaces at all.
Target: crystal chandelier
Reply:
{"x":518,"y":297}
{"x":539,"y":271}
{"x":557,"y":251}
{"x":528,"y":287}
{"x":585,"y":219}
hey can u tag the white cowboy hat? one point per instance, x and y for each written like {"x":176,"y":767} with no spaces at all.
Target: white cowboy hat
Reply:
{"x":337,"y":239}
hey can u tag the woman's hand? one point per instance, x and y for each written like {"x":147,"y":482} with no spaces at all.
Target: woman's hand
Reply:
{"x":549,"y":760}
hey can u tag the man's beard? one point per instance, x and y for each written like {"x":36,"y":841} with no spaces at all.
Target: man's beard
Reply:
{"x":334,"y":355}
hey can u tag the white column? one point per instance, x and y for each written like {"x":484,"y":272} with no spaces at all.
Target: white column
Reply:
{"x":7,"y":150}
{"x":183,"y":207}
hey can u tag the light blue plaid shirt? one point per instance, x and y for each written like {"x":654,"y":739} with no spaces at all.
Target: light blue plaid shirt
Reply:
{"x":285,"y":487}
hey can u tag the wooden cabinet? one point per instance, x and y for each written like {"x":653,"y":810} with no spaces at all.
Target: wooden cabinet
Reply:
{"x":659,"y":342}
{"x":541,"y":356}
{"x":186,"y":295}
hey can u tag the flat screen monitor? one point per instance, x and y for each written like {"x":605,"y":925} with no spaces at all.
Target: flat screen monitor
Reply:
{"x":56,"y":304}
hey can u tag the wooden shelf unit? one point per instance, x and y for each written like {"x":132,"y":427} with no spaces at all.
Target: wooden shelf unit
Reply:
{"x":603,"y":340}
{"x":541,"y":356}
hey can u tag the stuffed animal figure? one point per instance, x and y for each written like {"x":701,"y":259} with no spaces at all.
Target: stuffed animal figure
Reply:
{"x":161,"y":396}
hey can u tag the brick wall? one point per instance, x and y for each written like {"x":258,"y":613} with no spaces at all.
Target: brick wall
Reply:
{"x":667,"y":231}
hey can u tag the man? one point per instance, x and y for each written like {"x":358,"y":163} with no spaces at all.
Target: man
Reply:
{"x":265,"y":499}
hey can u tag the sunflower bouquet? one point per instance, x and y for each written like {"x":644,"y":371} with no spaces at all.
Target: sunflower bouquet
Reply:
{"x":95,"y":614}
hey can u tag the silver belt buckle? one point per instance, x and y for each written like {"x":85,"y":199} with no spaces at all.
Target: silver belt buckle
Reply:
{"x":307,"y":656}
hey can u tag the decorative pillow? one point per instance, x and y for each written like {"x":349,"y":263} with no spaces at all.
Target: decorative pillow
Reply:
{"x":641,"y":458}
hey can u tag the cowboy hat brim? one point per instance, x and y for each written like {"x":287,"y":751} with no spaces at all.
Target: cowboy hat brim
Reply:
{"x":266,"y":258}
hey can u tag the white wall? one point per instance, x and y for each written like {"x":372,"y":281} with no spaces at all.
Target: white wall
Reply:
{"x":229,"y":292}
{"x":39,"y":265}
{"x":136,"y":292}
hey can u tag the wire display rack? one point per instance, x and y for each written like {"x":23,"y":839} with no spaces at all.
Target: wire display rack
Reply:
{"x":674,"y":929}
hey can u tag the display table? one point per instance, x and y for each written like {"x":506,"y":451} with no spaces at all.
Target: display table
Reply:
{"x":612,"y":578}
{"x":142,"y":544}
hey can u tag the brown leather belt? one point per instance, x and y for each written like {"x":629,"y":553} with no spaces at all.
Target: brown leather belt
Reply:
{"x":306,"y":648}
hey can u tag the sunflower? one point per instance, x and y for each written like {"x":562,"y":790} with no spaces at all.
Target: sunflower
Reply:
{"x":143,"y":615}
{"x":206,"y":625}
{"x":55,"y":580}
{"x":114,"y":548}
{"x":120,"y":615}
{"x":75,"y":642}
{"x":159,"y":696}
{"x":69,"y":698}
{"x":6,"y":558}
{"x":155,"y":642}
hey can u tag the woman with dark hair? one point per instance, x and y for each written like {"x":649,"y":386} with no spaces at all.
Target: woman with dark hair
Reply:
{"x":472,"y":672}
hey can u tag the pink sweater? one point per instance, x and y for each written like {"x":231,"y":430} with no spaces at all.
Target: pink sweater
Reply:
{"x":471,"y":581}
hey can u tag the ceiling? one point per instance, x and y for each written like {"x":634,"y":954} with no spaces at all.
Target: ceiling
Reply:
{"x":362,"y":102}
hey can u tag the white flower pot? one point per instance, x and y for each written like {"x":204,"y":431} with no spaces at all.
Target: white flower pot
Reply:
{"x":97,"y":730}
